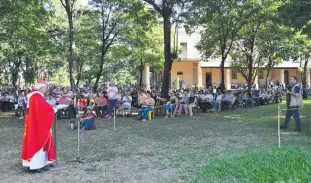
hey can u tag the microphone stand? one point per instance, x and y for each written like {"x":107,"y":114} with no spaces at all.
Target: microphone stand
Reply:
{"x":78,"y":159}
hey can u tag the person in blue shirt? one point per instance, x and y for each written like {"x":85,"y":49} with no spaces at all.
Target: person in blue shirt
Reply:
{"x":293,"y":92}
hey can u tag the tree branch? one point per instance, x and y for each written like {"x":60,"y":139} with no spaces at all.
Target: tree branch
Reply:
{"x":155,"y":6}
{"x":63,"y":3}
{"x":111,"y":41}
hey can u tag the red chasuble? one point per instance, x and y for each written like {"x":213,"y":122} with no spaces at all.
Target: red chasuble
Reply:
{"x":37,"y":128}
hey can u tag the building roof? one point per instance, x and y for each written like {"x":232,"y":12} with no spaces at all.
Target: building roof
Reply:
{"x":215,"y":63}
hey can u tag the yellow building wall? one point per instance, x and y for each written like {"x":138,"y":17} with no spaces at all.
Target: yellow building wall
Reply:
{"x":216,"y":76}
{"x":277,"y":74}
{"x":188,"y":74}
{"x":187,"y":68}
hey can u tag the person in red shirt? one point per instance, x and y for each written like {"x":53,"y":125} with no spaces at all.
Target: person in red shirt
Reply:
{"x":101,"y":106}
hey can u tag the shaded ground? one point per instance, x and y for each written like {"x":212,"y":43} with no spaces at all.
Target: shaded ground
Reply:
{"x":161,"y":150}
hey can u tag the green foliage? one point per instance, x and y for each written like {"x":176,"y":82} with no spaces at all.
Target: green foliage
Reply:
{"x":288,"y":164}
{"x":112,"y":35}
{"x":297,"y":14}
{"x":24,"y":40}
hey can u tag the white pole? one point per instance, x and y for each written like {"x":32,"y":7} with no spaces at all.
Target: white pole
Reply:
{"x":171,"y":111}
{"x":279,"y":133}
{"x":78,"y":139}
{"x":114,"y":119}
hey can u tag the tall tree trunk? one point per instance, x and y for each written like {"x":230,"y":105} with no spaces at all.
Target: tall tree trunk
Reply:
{"x":103,"y":50}
{"x":69,"y":5}
{"x":222,"y":74}
{"x":250,"y":75}
{"x":304,"y":79}
{"x":70,"y":59}
{"x":250,"y":63}
{"x":141,"y":69}
{"x":268,"y":70}
{"x":79,"y":74}
{"x":167,"y":51}
{"x":15,"y":72}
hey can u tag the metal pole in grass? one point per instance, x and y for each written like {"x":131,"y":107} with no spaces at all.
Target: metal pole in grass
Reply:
{"x":171,"y":111}
{"x":114,"y":119}
{"x":279,"y":132}
{"x":78,"y":159}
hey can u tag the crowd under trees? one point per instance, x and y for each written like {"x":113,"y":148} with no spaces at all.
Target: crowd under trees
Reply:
{"x":67,"y":42}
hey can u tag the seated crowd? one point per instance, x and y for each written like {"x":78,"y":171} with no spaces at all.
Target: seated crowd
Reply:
{"x":109,"y":101}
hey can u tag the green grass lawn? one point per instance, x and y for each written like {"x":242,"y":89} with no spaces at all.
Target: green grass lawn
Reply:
{"x":237,"y":146}
{"x":265,"y":162}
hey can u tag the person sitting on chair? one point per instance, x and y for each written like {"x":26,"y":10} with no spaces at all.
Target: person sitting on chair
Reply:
{"x":50,"y":100}
{"x":179,"y":106}
{"x":101,"y":106}
{"x":87,"y":121}
{"x":126,"y":102}
{"x":65,"y":101}
{"x":141,"y":98}
{"x":219,"y":98}
{"x":171,"y":105}
{"x":228,"y":100}
{"x":192,"y":102}
{"x":146,"y":106}
{"x":209,"y":101}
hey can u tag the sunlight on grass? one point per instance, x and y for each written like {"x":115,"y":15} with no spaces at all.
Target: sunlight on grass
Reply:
{"x":6,"y":114}
{"x":289,"y":164}
{"x":289,"y":133}
{"x":235,"y":116}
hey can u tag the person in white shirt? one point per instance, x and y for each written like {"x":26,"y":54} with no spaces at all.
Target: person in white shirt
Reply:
{"x":120,"y":95}
{"x":21,"y":99}
{"x":208,"y":96}
{"x":201,"y":95}
{"x":112,"y":99}
{"x":126,"y":102}
{"x":50,"y":100}
{"x":192,"y":102}
{"x":209,"y":101}
{"x":21,"y":105}
{"x":228,"y":100}
{"x":218,"y":101}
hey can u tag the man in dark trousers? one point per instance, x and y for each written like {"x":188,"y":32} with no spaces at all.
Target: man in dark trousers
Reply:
{"x":293,"y":101}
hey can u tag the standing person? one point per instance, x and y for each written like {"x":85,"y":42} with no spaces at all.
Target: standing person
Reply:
{"x":38,"y":146}
{"x":293,"y":102}
{"x":112,"y":99}
{"x":21,"y":105}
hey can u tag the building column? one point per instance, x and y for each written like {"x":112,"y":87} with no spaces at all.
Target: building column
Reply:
{"x":256,"y":82}
{"x":200,"y":83}
{"x":147,"y":76}
{"x":228,"y":79}
{"x":282,"y":77}
{"x":308,"y":78}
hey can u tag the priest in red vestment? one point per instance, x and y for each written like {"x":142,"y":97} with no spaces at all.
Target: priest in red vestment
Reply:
{"x":38,"y":146}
